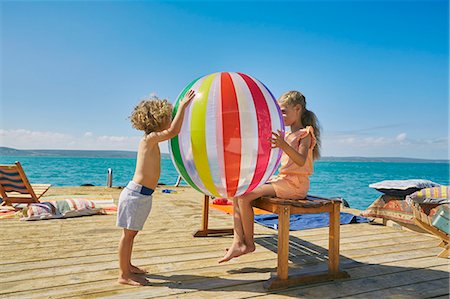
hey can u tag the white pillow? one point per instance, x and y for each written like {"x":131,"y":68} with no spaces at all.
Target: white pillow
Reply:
{"x":402,"y":187}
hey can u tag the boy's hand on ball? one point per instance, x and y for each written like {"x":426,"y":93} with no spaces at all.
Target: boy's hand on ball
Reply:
{"x":188,"y":98}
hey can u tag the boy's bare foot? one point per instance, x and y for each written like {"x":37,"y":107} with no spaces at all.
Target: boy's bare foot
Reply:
{"x":132,"y":280}
{"x":237,"y":250}
{"x":137,"y":270}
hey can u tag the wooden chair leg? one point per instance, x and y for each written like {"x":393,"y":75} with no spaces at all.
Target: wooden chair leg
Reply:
{"x":205,"y":217}
{"x":333,"y":241}
{"x":205,"y":231}
{"x":445,"y":253}
{"x":307,"y":275}
{"x":283,"y":242}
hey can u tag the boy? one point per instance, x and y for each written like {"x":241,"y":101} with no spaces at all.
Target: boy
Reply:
{"x":135,"y":202}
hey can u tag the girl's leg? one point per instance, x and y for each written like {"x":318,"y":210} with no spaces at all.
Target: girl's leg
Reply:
{"x":248,"y":216}
{"x":238,"y":245}
{"x":125,"y":247}
{"x":237,"y":223}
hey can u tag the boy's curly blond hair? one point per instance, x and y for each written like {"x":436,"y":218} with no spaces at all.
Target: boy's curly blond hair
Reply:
{"x":151,"y":114}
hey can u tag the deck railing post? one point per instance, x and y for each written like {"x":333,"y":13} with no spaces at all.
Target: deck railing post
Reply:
{"x":110,"y":178}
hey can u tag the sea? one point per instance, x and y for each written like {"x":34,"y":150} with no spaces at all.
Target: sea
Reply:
{"x":349,"y":180}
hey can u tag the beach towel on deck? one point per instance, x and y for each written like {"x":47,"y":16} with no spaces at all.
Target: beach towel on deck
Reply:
{"x":307,"y":221}
{"x":63,"y":208}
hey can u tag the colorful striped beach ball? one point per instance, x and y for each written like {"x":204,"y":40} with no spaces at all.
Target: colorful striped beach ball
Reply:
{"x":223,"y":148}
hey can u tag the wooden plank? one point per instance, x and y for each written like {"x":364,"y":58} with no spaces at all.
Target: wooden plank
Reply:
{"x":12,"y":272}
{"x":13,"y":227}
{"x":44,"y":243}
{"x":87,"y":266}
{"x":53,"y":269}
{"x":66,"y":232}
{"x":424,"y":289}
{"x":49,"y":227}
{"x":101,"y":265}
{"x":312,"y":201}
{"x":346,"y":288}
{"x":271,"y":206}
{"x":91,"y":248}
{"x":358,"y":272}
{"x":111,"y":235}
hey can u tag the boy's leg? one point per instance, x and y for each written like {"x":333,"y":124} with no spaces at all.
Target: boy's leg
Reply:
{"x":125,"y":247}
{"x":133,"y":268}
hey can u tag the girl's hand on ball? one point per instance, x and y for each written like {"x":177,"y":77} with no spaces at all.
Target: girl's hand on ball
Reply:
{"x":277,"y":140}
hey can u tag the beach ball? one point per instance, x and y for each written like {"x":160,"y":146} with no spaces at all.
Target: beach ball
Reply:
{"x":223,"y":148}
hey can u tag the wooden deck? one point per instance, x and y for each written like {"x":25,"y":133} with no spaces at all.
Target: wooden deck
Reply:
{"x":78,"y":257}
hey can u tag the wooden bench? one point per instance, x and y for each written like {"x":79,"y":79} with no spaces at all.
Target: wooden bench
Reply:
{"x":284,"y":208}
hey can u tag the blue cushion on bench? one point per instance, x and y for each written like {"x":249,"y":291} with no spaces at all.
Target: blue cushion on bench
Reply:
{"x":307,"y":221}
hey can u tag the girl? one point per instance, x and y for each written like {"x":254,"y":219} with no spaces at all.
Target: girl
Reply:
{"x":300,"y":147}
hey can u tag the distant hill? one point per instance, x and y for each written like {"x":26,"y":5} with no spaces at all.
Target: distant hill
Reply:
{"x":381,"y":159}
{"x":7,"y":151}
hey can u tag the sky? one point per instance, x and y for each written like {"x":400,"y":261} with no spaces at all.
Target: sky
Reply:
{"x":376,"y":73}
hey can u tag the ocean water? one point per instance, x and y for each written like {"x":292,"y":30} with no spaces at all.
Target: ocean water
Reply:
{"x":349,"y":180}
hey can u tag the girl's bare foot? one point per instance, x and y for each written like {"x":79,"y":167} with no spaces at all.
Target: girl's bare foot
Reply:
{"x":250,"y":248}
{"x":237,"y":250}
{"x":137,"y":270}
{"x":132,"y":280}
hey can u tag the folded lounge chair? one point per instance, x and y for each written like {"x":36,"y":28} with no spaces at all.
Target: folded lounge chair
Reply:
{"x":432,"y":224}
{"x":15,"y":187}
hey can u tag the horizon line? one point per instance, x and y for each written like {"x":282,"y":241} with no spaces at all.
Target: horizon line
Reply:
{"x":130,"y":151}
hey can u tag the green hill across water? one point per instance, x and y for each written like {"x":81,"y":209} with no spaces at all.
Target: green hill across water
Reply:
{"x":7,"y":151}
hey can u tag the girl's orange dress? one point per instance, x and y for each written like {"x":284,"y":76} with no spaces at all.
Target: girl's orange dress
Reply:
{"x":292,"y":182}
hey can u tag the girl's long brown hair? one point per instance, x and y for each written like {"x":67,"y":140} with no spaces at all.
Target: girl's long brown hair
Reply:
{"x":308,"y":118}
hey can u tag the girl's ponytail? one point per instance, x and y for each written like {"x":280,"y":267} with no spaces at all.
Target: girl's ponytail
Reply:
{"x":309,"y":118}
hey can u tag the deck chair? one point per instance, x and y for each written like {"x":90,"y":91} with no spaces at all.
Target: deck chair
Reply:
{"x":15,"y":187}
{"x":424,"y":221}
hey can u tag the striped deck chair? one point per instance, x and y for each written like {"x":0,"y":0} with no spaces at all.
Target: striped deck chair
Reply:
{"x":15,"y":187}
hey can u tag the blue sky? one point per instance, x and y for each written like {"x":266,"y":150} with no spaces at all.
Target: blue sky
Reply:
{"x":375,"y":73}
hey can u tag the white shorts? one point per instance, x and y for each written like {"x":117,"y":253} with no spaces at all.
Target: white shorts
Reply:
{"x":135,"y":203}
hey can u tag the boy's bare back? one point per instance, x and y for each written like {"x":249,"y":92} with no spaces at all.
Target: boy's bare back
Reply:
{"x":148,"y":164}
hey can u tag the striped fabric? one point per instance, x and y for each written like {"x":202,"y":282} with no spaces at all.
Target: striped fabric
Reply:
{"x":70,"y":207}
{"x":435,"y":195}
{"x":223,"y":148}
{"x":11,"y":181}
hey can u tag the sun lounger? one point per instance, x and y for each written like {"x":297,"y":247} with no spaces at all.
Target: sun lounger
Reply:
{"x":15,"y":187}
